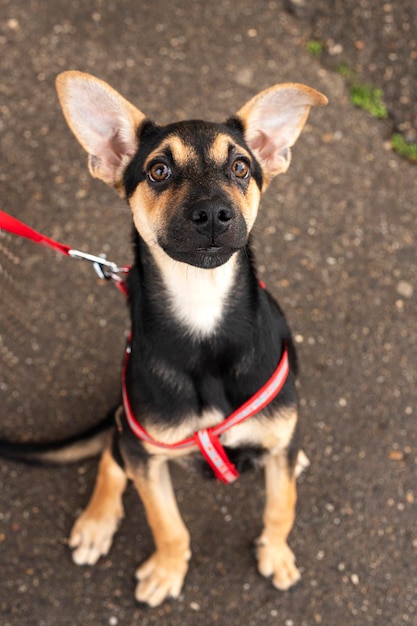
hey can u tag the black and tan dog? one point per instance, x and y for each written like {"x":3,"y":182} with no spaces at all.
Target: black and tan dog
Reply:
{"x":205,"y":335}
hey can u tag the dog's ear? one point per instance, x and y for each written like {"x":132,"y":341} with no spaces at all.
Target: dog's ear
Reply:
{"x":273,"y":121}
{"x":104,"y":123}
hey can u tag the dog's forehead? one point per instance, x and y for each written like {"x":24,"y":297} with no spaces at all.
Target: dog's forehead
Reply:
{"x":195,"y":148}
{"x":193,"y":140}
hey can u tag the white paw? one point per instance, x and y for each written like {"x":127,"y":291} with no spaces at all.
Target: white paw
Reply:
{"x":278,"y":561}
{"x":92,"y":537}
{"x":302,"y":463}
{"x":161,"y":578}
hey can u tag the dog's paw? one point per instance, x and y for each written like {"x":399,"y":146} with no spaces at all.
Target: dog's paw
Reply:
{"x":91,"y":537}
{"x":161,"y":578}
{"x":302,"y":463}
{"x":277,"y":561}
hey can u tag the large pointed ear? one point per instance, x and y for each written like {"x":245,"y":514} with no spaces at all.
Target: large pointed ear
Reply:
{"x":104,"y":123}
{"x":273,"y":121}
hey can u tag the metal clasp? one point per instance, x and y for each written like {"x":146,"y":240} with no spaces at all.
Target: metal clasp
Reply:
{"x":105,"y":269}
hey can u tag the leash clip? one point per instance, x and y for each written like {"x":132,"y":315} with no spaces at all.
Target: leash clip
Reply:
{"x":106,"y":270}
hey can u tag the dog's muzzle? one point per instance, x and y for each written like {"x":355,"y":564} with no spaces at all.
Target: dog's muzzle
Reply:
{"x":211,"y":219}
{"x":205,"y":234}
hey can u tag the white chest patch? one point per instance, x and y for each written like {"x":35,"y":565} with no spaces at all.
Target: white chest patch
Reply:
{"x":198,"y":296}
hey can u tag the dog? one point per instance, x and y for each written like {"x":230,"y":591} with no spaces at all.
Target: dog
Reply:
{"x":206,"y":335}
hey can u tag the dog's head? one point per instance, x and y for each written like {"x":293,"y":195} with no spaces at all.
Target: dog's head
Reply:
{"x":193,"y":187}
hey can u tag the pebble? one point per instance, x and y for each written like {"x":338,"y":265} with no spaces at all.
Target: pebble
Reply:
{"x":396,"y":455}
{"x":405,"y":289}
{"x":13,"y":24}
{"x":245,"y":77}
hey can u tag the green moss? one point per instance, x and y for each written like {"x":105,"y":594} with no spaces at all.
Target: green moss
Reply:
{"x":404,"y":149}
{"x":363,"y":96}
{"x":344,"y":70}
{"x":372,"y":100}
{"x":369,"y":99}
{"x":314,"y":47}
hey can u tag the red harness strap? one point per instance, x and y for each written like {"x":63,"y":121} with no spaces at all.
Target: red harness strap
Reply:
{"x":207,"y":439}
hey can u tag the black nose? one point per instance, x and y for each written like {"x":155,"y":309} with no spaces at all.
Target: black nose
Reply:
{"x":211,"y":218}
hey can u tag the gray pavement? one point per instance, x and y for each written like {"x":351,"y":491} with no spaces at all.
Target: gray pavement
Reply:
{"x":335,"y":244}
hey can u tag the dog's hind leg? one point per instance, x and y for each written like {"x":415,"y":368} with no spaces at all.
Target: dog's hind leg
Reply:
{"x":274,"y":556}
{"x":162,"y":575}
{"x":92,"y":534}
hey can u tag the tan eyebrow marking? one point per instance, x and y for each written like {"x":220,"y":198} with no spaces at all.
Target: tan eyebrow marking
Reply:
{"x":182,"y":153}
{"x":219,"y":149}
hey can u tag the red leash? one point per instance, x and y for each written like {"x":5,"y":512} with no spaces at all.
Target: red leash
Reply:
{"x":104,"y":268}
{"x":14,"y":226}
{"x":207,"y":439}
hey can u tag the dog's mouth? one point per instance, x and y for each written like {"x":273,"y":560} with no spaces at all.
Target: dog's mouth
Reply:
{"x":208,"y":257}
{"x":212,"y":256}
{"x":211,"y":250}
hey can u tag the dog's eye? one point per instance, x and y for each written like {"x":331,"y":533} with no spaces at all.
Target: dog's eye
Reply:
{"x":159,"y":172}
{"x":240,"y":168}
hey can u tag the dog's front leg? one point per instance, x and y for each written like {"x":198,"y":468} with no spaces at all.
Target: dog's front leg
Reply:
{"x":274,"y":556}
{"x":92,"y":534}
{"x":162,"y":575}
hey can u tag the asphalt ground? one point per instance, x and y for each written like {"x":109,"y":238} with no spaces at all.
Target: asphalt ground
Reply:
{"x":335,"y":243}
{"x":374,"y":42}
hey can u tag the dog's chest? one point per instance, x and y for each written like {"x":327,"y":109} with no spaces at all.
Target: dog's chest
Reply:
{"x":198,"y":297}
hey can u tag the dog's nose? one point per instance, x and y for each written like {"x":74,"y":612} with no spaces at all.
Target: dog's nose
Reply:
{"x":211,"y":218}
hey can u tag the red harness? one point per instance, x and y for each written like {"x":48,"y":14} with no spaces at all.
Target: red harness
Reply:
{"x":207,"y":439}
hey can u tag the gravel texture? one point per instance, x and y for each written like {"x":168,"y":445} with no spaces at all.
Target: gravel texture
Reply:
{"x":336,"y":244}
{"x":377,"y":41}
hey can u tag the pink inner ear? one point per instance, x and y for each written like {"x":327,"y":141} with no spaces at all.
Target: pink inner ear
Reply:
{"x":263,"y":145}
{"x":101,"y":120}
{"x":118,"y":145}
{"x":109,"y":148}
